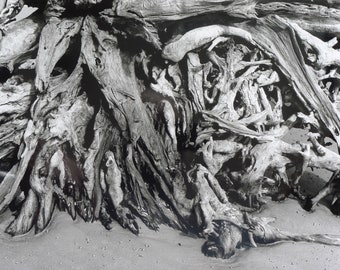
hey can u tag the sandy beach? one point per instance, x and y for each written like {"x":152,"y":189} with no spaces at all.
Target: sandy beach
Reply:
{"x":69,"y":244}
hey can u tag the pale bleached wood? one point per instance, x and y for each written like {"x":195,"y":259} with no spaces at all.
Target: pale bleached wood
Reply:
{"x":198,"y":37}
{"x":20,"y":38}
{"x":53,"y":47}
{"x":168,"y":109}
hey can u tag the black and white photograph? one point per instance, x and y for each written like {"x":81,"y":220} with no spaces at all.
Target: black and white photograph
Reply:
{"x":169,"y":134}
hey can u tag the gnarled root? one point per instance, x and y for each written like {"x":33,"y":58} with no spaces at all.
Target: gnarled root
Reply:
{"x":24,"y":222}
{"x":119,"y":132}
{"x":227,"y":237}
{"x":211,"y":199}
{"x":111,"y":184}
{"x":331,"y":188}
{"x":224,"y":241}
{"x":272,"y":159}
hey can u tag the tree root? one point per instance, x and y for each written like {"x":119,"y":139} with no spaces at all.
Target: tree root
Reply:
{"x":180,"y":130}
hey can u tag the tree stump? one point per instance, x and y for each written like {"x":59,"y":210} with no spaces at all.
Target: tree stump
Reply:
{"x":162,"y":111}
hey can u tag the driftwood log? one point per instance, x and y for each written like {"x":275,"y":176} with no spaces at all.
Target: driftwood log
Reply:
{"x":170,"y":112}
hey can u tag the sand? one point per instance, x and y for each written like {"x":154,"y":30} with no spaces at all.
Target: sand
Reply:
{"x":69,"y":244}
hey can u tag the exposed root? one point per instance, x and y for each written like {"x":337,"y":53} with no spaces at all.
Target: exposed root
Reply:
{"x":181,"y":130}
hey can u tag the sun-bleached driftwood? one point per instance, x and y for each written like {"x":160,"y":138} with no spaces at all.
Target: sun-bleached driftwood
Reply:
{"x":16,"y":97}
{"x":8,"y":10}
{"x":309,"y":16}
{"x":174,"y":112}
{"x":198,"y":37}
{"x":50,"y":51}
{"x":24,"y":34}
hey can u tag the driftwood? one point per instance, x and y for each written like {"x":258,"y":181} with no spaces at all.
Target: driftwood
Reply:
{"x":172,"y":112}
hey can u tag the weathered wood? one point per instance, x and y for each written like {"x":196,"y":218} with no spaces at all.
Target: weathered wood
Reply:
{"x":326,"y":55}
{"x":167,"y":128}
{"x":20,"y":38}
{"x":11,"y":134}
{"x":313,"y":18}
{"x":195,"y":80}
{"x":11,"y":182}
{"x":265,"y":34}
{"x":94,"y":156}
{"x":16,"y":97}
{"x":42,"y":185}
{"x":166,"y":10}
{"x":25,"y":221}
{"x":53,"y":47}
{"x":61,"y":87}
{"x":198,"y":37}
{"x":121,"y":91}
{"x":9,"y":9}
